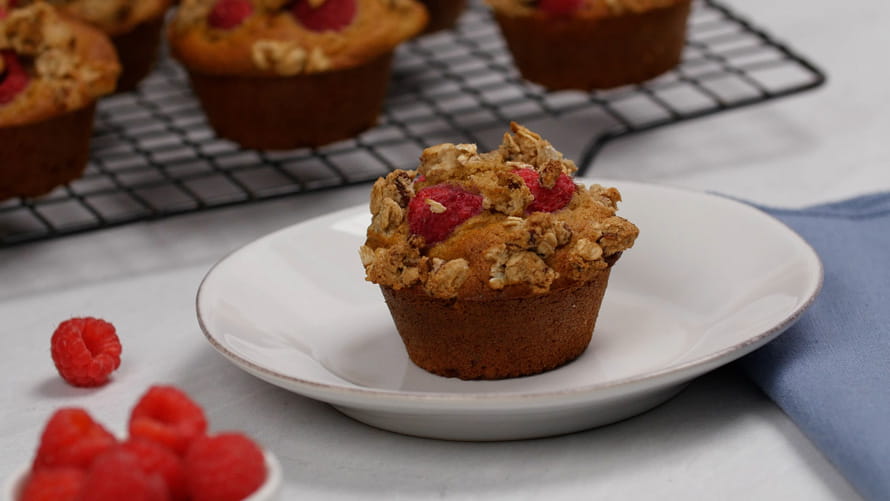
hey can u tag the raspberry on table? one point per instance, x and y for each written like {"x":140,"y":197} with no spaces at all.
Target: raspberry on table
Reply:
{"x":331,"y":15}
{"x":85,"y":351}
{"x":224,"y":467}
{"x":168,"y":416}
{"x":228,"y":14}
{"x":436,"y":210}
{"x":547,"y":200}
{"x":116,"y":476}
{"x":71,"y":438}
{"x":560,"y":7}
{"x":53,"y":484}
{"x":13,"y":77}
{"x":154,"y":458}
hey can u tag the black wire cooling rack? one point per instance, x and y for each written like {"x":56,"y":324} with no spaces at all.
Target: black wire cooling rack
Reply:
{"x":154,"y":156}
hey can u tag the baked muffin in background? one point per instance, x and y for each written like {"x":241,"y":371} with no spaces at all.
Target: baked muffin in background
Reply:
{"x":275,"y":74}
{"x":52,"y":70}
{"x":495,"y":264}
{"x":592,"y":44}
{"x":443,"y":14}
{"x":134,"y":27}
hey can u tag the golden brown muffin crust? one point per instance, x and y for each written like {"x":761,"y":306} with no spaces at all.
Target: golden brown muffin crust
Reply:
{"x":272,"y":42}
{"x":503,"y":251}
{"x":70,"y":63}
{"x":114,"y":17}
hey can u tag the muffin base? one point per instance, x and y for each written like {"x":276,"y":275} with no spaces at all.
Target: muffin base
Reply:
{"x":37,"y":157}
{"x":500,"y":338}
{"x":443,"y":14}
{"x":588,"y":54}
{"x":281,"y":113}
{"x":138,"y":53}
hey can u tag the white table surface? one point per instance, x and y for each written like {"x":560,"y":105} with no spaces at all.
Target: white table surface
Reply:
{"x":719,"y":439}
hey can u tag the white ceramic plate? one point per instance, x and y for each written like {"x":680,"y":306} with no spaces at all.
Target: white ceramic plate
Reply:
{"x":709,"y":280}
{"x":269,"y":491}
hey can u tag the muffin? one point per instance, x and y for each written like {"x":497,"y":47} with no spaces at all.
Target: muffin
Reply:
{"x":273,"y":74}
{"x":493,"y":265}
{"x":52,"y":70}
{"x":134,"y":27}
{"x":443,"y":14}
{"x":592,"y":44}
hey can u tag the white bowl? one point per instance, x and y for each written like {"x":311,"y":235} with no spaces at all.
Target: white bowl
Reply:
{"x":269,"y":491}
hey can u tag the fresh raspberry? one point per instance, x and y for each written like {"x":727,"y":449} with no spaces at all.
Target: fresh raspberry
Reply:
{"x":547,"y":200}
{"x":13,"y":77}
{"x":154,"y":458}
{"x":228,"y":14}
{"x":560,"y":7}
{"x":86,"y":351}
{"x":332,"y":15}
{"x":116,"y":475}
{"x":169,"y":417}
{"x":225,"y":467}
{"x":71,"y":438}
{"x":53,"y":484}
{"x":427,"y":218}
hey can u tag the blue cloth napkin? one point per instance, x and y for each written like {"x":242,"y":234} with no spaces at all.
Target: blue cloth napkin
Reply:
{"x":830,"y":372}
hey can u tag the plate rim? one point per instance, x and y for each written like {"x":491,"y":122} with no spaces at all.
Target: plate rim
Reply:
{"x":670,"y":374}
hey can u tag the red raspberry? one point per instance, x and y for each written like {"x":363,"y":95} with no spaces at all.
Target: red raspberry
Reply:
{"x":547,"y":200}
{"x":86,"y":351}
{"x":332,"y":15}
{"x":169,"y":417}
{"x":154,"y":458}
{"x":116,"y":475}
{"x":13,"y":78}
{"x":228,"y":14}
{"x":225,"y":467}
{"x":430,"y":221}
{"x":560,"y":7}
{"x":71,"y":438}
{"x":54,"y":484}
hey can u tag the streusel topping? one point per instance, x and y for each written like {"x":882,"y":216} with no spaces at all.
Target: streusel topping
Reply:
{"x":506,"y":248}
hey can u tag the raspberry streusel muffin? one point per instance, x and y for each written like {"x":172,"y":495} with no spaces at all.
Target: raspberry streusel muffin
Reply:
{"x":274,"y":74}
{"x":134,"y":27}
{"x":592,"y":44}
{"x":52,"y":70}
{"x":493,"y":265}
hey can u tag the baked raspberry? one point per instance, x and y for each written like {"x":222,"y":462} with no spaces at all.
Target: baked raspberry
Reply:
{"x":560,"y":7}
{"x":85,"y":351}
{"x":116,"y":475}
{"x":154,"y":458}
{"x":53,"y":484}
{"x":436,"y":210}
{"x":225,"y":467}
{"x":71,"y":438}
{"x":169,"y":417}
{"x":13,"y":76}
{"x":228,"y":14}
{"x":331,"y":15}
{"x":547,"y":200}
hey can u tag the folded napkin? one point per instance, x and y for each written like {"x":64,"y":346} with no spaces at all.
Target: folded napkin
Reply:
{"x":830,"y":372}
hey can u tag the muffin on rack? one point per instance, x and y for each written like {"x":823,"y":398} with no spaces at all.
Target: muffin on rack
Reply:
{"x":276,"y":74}
{"x":592,"y":44}
{"x":52,"y":70}
{"x":134,"y":27}
{"x":493,"y":265}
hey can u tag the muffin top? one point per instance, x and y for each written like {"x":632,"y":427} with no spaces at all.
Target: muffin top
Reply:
{"x":591,"y":9}
{"x":285,"y":38}
{"x":114,"y":17}
{"x":50,"y":64}
{"x":480,"y":226}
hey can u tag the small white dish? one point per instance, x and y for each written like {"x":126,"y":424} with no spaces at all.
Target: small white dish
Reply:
{"x":269,"y":491}
{"x":709,"y":280}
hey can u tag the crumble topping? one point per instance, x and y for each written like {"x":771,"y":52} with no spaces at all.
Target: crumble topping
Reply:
{"x":505,"y":247}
